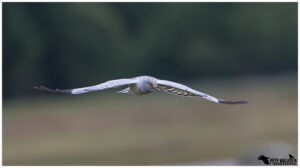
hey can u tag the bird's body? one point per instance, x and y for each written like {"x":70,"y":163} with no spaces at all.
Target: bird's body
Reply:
{"x":137,"y":90}
{"x":142,"y":85}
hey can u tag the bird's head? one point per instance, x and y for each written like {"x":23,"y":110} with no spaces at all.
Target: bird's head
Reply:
{"x":150,"y":84}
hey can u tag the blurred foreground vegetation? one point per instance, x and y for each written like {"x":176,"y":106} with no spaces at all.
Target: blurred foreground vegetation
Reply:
{"x":158,"y":129}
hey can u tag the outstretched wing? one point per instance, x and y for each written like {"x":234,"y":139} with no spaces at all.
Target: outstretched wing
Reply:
{"x":102,"y":86}
{"x":182,"y":90}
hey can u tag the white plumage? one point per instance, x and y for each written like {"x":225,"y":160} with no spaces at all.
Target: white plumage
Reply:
{"x":142,"y":85}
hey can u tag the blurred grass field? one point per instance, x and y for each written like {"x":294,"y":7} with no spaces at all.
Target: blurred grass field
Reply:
{"x":156,"y":129}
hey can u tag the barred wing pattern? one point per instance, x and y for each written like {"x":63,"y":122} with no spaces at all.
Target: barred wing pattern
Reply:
{"x":182,"y":90}
{"x":101,"y":86}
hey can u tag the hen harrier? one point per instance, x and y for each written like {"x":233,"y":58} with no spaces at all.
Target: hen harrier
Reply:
{"x":142,"y":85}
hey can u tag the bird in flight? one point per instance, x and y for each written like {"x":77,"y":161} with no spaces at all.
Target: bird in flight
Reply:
{"x":142,"y":85}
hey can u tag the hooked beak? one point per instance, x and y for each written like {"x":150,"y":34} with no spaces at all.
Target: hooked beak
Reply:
{"x":154,"y":85}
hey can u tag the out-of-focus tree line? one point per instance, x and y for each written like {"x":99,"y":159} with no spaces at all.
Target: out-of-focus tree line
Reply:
{"x":65,"y":45}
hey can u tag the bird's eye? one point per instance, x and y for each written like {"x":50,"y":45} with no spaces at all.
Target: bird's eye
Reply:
{"x":150,"y":84}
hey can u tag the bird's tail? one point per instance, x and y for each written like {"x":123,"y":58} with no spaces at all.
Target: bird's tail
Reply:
{"x":127,"y":90}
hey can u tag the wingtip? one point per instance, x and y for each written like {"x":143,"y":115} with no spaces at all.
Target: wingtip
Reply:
{"x":43,"y":88}
{"x":38,"y":87}
{"x":233,"y":101}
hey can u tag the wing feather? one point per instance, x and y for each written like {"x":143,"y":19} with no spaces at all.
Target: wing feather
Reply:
{"x":182,"y":90}
{"x":101,"y":86}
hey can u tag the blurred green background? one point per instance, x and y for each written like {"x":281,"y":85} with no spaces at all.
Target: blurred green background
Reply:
{"x":229,"y":50}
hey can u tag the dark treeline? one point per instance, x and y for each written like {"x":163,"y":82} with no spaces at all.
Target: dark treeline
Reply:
{"x":69,"y":45}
